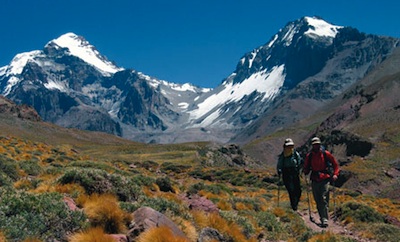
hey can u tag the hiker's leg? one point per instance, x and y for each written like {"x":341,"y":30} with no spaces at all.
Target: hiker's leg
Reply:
{"x":297,"y":190}
{"x":288,"y":180}
{"x":326,"y":200}
{"x":318,"y":193}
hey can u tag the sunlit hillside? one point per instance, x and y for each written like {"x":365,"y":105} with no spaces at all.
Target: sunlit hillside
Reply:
{"x":44,"y":168}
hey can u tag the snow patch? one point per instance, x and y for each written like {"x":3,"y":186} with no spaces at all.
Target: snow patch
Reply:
{"x":55,"y":84}
{"x":321,"y":28}
{"x":267,"y":82}
{"x":183,"y":105}
{"x":19,"y":61}
{"x":80,"y":48}
{"x":11,"y":82}
{"x":288,"y":37}
{"x":272,"y":41}
{"x":254,"y":54}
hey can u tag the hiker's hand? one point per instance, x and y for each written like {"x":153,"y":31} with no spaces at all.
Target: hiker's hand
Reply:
{"x":334,"y":178}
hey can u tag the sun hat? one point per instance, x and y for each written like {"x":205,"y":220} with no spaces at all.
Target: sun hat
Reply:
{"x":288,"y":142}
{"x":315,"y":140}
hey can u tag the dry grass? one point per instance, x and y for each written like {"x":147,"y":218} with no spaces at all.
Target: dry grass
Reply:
{"x":160,"y":234}
{"x":95,"y":234}
{"x":104,"y":212}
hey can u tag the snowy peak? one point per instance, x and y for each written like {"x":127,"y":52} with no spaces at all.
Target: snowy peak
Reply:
{"x":79,"y":47}
{"x":312,"y":27}
{"x":321,"y":28}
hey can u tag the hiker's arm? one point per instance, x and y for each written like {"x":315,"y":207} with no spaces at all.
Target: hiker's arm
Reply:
{"x":335,"y":165}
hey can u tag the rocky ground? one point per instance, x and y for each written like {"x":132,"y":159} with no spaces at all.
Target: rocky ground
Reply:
{"x":334,"y":226}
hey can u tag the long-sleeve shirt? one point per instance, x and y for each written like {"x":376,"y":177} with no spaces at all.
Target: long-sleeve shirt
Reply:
{"x":292,"y":161}
{"x":318,"y":165}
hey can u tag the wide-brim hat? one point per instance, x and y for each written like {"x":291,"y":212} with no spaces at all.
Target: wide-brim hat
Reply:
{"x":288,"y":142}
{"x":315,"y":140}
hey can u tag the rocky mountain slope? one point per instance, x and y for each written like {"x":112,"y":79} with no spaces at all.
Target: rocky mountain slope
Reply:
{"x":360,"y":127}
{"x":303,"y":67}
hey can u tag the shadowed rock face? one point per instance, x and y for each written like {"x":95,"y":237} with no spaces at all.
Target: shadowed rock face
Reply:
{"x":21,"y":111}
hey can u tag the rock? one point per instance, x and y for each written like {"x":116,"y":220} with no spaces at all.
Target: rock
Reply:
{"x":197,"y":202}
{"x":210,"y":234}
{"x":146,"y":218}
{"x":392,"y":220}
{"x":70,"y":203}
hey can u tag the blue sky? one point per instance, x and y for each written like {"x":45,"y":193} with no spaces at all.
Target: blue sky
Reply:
{"x":196,"y":41}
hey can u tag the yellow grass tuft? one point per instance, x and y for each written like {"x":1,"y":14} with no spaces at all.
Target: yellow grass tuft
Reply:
{"x":224,"y":205}
{"x":160,"y":234}
{"x":103,"y":211}
{"x":214,"y":220}
{"x":31,"y":240}
{"x":23,"y":184}
{"x":69,"y":188}
{"x":91,"y":235}
{"x":279,"y":212}
{"x":2,"y":237}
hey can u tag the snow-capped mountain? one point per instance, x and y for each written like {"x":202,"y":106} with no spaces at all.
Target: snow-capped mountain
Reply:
{"x":71,"y":84}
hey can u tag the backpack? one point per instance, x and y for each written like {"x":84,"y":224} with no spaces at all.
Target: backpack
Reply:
{"x":329,"y":166}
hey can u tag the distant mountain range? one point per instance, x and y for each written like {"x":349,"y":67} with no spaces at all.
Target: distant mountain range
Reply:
{"x":300,"y":70}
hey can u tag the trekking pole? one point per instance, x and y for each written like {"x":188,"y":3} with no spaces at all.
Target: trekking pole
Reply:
{"x":334,"y":201}
{"x":279,"y":188}
{"x":308,"y":199}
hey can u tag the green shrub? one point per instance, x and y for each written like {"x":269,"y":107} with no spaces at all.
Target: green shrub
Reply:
{"x":44,"y":216}
{"x":385,"y":232}
{"x":165,"y":185}
{"x":271,"y":225}
{"x":247,"y":227}
{"x":31,"y":167}
{"x":359,"y":212}
{"x":9,"y":167}
{"x":125,"y":188}
{"x":173,"y":167}
{"x":195,"y":188}
{"x":148,"y":164}
{"x":5,"y":180}
{"x":99,"y":181}
{"x":218,"y":188}
{"x":163,"y":205}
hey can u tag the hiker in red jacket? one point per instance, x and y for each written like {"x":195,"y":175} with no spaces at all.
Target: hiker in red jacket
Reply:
{"x":324,"y":168}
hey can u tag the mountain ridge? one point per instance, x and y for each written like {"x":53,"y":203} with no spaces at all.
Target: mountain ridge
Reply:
{"x":71,"y":84}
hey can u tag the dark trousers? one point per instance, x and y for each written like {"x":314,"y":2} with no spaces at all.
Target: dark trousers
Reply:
{"x":291,"y":180}
{"x":321,"y":197}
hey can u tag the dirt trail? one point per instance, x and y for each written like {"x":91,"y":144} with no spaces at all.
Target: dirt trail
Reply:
{"x":333,"y":226}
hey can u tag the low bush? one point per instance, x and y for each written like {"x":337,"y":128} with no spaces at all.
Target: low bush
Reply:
{"x":31,"y":167}
{"x":165,"y":184}
{"x":101,"y":182}
{"x":359,"y":212}
{"x":43,"y":216}
{"x":9,"y":167}
{"x":173,"y":167}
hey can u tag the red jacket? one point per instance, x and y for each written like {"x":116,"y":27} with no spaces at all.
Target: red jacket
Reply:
{"x":319,"y":166}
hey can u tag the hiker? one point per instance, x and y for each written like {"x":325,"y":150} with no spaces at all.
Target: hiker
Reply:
{"x":324,"y":169}
{"x":289,"y":165}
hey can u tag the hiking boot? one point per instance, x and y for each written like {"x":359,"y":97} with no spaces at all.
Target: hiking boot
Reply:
{"x":324,"y":223}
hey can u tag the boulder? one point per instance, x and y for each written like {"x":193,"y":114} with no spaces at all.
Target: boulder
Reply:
{"x":146,"y":218}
